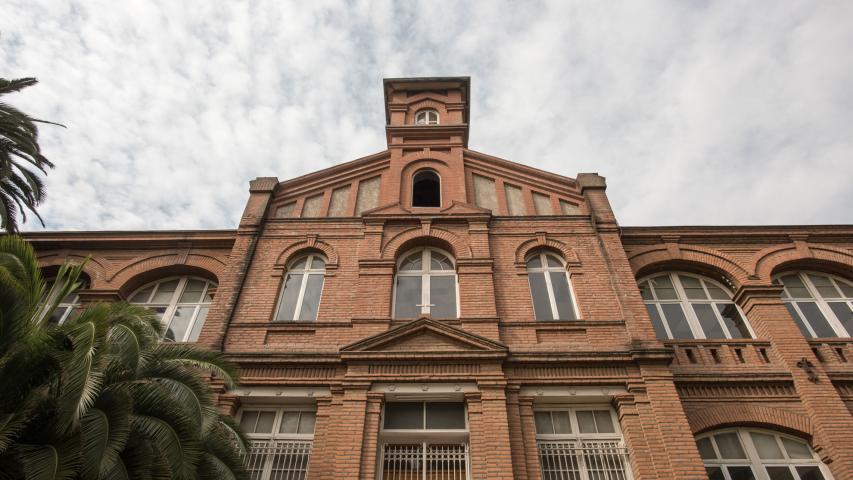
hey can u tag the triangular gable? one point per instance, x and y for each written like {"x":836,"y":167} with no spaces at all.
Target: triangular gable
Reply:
{"x":425,"y":338}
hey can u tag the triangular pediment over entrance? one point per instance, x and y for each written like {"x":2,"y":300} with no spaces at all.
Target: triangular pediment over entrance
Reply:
{"x":424,"y":338}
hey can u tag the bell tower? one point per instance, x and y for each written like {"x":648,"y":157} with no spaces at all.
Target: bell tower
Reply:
{"x":427,"y":131}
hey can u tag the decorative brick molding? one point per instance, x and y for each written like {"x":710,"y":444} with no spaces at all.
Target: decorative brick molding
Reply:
{"x":457,"y":246}
{"x":770,"y":260}
{"x":749,"y":415}
{"x":142,"y":271}
{"x":544,"y":242}
{"x":311,"y":244}
{"x":658,"y":257}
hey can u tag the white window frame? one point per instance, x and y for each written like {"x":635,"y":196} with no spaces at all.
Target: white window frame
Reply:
{"x":552,"y":297}
{"x":305,"y":272}
{"x":423,"y":436}
{"x":753,"y":460}
{"x":687,"y":309}
{"x":426,"y":273}
{"x":68,"y":306}
{"x":580,"y":438}
{"x":174,"y":303}
{"x":425,"y":116}
{"x":274,"y":435}
{"x":818,"y":299}
{"x":440,"y":192}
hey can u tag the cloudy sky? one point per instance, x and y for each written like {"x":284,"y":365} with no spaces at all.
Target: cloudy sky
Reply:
{"x":697,"y":112}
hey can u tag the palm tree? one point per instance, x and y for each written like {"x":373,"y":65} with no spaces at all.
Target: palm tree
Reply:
{"x":20,"y":154}
{"x":100,"y":396}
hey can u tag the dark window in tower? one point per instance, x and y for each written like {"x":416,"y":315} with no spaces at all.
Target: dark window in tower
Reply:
{"x":426,"y":189}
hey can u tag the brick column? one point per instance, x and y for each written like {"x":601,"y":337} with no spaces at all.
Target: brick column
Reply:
{"x":832,"y":424}
{"x":489,"y":434}
{"x":347,"y":431}
{"x":516,"y":437}
{"x":528,"y":433}
{"x":642,"y":464}
{"x":318,"y":465}
{"x":370,"y":439}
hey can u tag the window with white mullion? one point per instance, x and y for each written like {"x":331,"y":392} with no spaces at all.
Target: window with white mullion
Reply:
{"x":550,"y":288}
{"x":821,"y":304}
{"x":426,"y":284}
{"x":181,"y":304}
{"x":281,"y":438}
{"x":302,"y":289}
{"x":689,"y":306}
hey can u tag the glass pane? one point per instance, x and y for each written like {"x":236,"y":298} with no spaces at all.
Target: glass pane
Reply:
{"x":289,"y":422}
{"x":562,"y":424}
{"x":797,"y":319}
{"x":846,"y":288}
{"x":287,"y":308}
{"x":795,"y":286}
{"x":57,"y":314}
{"x":70,"y":299}
{"x":179,"y":324}
{"x":796,"y":449}
{"x":192,"y":291}
{"x":311,"y":298}
{"x":445,"y":416}
{"x":142,"y":296}
{"x":553,"y":262}
{"x":565,"y":306}
{"x":442,"y":296}
{"x":779,"y":473}
{"x":816,"y":319}
{"x":766,"y":446}
{"x":306,"y":422}
{"x":539,"y":292}
{"x":247,"y":421}
{"x":159,"y":311}
{"x":645,"y":291}
{"x":265,"y":421}
{"x":586,"y":422}
{"x":733,"y":320}
{"x":716,"y":292}
{"x":741,"y":473}
{"x":408,"y":297}
{"x":714,"y":473}
{"x":824,"y":286}
{"x":317,"y":263}
{"x":729,"y":445}
{"x":199,"y":322}
{"x":604,"y":422}
{"x":706,"y":450}
{"x":677,"y":321}
{"x":543,"y":423}
{"x":535,"y":262}
{"x":414,"y":262}
{"x":810,"y":473}
{"x":404,"y":415}
{"x":708,"y":320}
{"x":844,"y":313}
{"x":165,"y":291}
{"x":439,"y":262}
{"x":657,"y":323}
{"x":693,"y":288}
{"x":663,"y":288}
{"x":300,"y":264}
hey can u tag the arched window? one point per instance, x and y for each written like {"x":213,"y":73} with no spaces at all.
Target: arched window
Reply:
{"x":426,"y":189}
{"x":64,"y":309}
{"x":821,"y":304}
{"x":427,"y":116}
{"x":425,"y":285}
{"x":181,"y":303}
{"x":302,"y":288}
{"x":550,"y":288}
{"x":758,"y":454}
{"x":682,"y":305}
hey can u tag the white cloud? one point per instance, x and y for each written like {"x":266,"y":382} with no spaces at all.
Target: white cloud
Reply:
{"x":697,"y":112}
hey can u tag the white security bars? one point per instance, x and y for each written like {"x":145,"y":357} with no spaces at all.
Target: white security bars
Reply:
{"x":580,"y":443}
{"x":424,"y":461}
{"x":281,"y":442}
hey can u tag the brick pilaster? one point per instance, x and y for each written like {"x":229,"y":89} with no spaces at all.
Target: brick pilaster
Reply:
{"x":319,"y":465}
{"x":489,"y":448}
{"x":371,"y":435}
{"x":528,"y":433}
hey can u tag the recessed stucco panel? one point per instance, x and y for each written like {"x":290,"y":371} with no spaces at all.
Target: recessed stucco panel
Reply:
{"x":542,"y":203}
{"x":514,"y":200}
{"x":368,"y":195}
{"x":485,"y":194}
{"x":338,"y":204}
{"x":569,"y":208}
{"x":312,"y":206}
{"x":285,"y":211}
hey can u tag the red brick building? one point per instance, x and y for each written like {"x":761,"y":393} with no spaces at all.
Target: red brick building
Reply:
{"x":432,"y":312}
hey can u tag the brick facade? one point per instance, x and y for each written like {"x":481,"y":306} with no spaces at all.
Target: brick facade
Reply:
{"x":495,"y":357}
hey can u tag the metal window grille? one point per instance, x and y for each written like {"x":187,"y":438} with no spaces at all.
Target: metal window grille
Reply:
{"x":571,"y":460}
{"x":425,"y":462}
{"x":278,"y":460}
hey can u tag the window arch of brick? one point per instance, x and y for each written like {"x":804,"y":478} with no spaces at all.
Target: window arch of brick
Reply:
{"x":416,"y":162}
{"x":742,"y":415}
{"x":541,"y":242}
{"x":773,"y":260}
{"x":693,"y":259}
{"x":129,"y":282}
{"x":304,"y":247}
{"x":92,"y":268}
{"x":434,"y":237}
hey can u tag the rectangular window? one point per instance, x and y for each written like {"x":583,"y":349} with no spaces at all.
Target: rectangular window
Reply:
{"x":281,"y":442}
{"x":424,"y":441}
{"x":580,"y":443}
